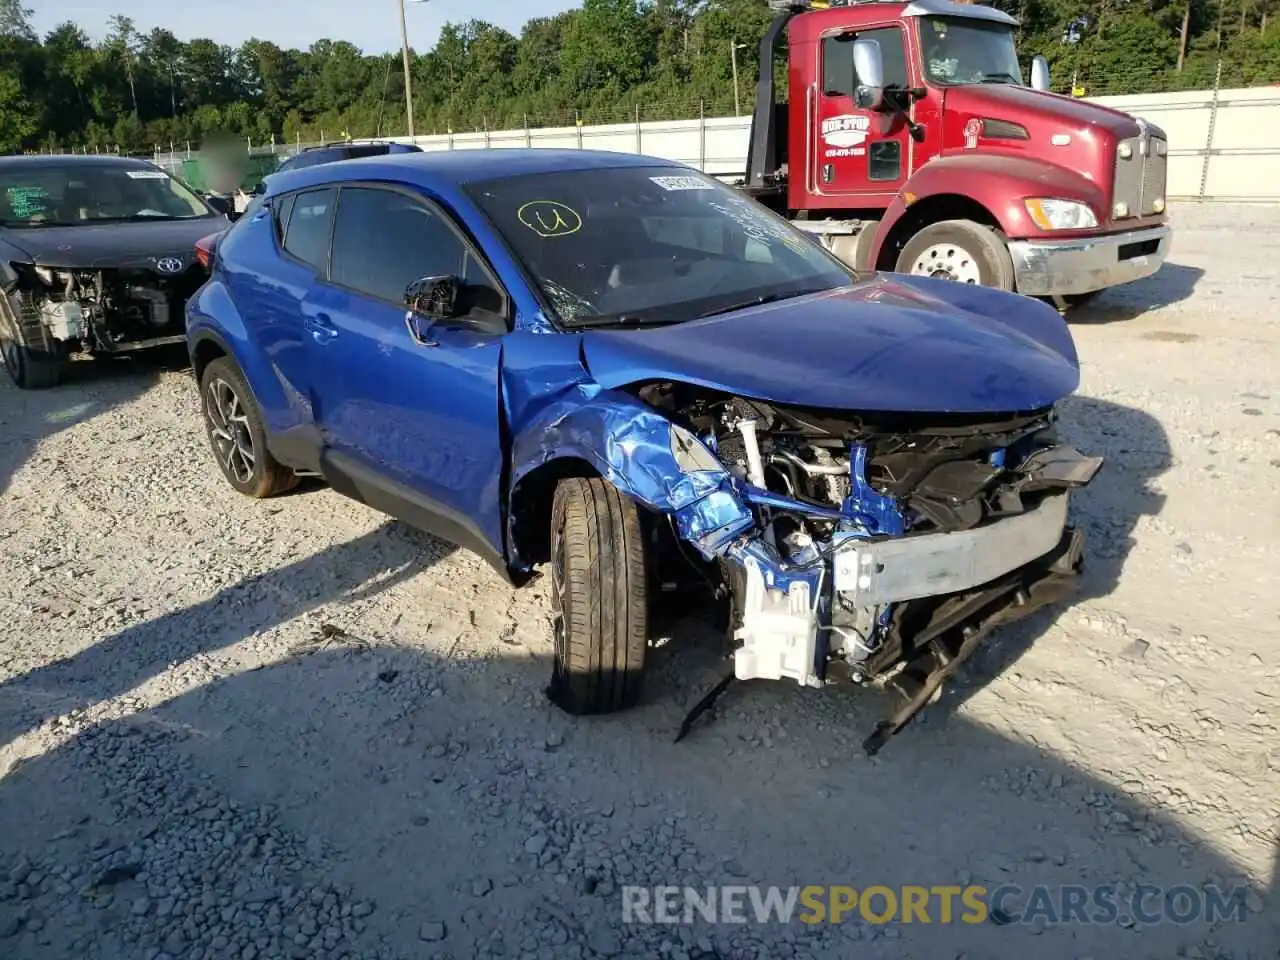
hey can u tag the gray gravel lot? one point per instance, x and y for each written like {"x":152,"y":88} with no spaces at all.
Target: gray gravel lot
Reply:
{"x":296,"y":729}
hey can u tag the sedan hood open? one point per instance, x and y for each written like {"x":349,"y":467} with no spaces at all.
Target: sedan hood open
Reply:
{"x":113,"y":244}
{"x":906,"y":344}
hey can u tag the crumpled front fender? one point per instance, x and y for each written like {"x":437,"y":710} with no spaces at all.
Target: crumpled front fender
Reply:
{"x":629,"y":444}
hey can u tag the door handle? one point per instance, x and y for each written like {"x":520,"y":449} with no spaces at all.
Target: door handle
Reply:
{"x":321,"y":327}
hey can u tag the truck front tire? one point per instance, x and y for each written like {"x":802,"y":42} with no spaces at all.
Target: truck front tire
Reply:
{"x":599,"y":598}
{"x":962,"y":250}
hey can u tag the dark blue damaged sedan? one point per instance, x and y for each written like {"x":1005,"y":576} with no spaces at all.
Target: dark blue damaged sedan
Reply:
{"x":632,"y":375}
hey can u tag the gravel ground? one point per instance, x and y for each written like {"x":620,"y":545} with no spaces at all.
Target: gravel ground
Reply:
{"x":297,"y":729}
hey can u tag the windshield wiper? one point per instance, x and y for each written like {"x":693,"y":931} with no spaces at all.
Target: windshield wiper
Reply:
{"x":632,"y":320}
{"x":1001,"y":77}
{"x":139,"y":218}
{"x":758,"y":301}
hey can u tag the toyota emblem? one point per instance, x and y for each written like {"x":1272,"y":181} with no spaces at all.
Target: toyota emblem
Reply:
{"x":169,"y":265}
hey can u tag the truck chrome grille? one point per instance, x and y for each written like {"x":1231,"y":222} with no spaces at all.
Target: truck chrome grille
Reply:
{"x":1141,"y":170}
{"x":1154,"y":171}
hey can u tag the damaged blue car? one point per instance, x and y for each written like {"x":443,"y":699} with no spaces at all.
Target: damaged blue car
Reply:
{"x":624,"y":373}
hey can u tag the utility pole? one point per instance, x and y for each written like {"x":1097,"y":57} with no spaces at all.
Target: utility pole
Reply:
{"x":734,"y":47}
{"x":408,"y":80}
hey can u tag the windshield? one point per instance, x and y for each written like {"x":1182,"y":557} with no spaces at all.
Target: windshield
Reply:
{"x":80,"y":193}
{"x":965,"y":50}
{"x":655,"y":245}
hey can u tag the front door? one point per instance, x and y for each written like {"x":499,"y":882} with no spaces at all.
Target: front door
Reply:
{"x":859,"y":153}
{"x":409,"y":423}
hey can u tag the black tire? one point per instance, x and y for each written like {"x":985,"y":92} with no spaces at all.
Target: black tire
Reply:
{"x":599,"y":598}
{"x":962,"y":250}
{"x":1082,"y":299}
{"x":28,"y":368}
{"x":233,"y":423}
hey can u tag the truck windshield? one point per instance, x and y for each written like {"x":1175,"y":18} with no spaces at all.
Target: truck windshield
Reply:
{"x":75,"y":193}
{"x":966,"y":50}
{"x":650,"y":245}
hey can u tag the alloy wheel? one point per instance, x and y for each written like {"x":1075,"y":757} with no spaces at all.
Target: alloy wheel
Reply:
{"x":229,"y":430}
{"x":558,"y":589}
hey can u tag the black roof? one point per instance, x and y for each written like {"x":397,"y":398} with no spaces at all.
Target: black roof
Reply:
{"x":77,"y":159}
{"x":338,"y":144}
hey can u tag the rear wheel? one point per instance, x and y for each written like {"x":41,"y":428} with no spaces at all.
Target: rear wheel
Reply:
{"x":961,"y":250}
{"x":599,"y":598}
{"x":236,"y":433}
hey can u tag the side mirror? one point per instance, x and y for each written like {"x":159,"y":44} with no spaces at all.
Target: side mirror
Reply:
{"x":434,"y":297}
{"x":430,"y":300}
{"x":1039,"y":73}
{"x":221,"y":204}
{"x":868,"y":74}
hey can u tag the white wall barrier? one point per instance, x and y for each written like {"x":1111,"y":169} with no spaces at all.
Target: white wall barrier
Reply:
{"x":1223,"y":144}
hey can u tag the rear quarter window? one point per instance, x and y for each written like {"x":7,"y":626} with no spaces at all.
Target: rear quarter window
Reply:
{"x":306,"y":235}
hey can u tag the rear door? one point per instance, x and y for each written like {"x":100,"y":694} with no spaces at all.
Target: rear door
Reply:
{"x":270,"y":260}
{"x":859,"y":153}
{"x":409,"y":427}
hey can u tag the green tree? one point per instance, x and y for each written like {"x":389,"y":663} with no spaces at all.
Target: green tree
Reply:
{"x":600,"y":61}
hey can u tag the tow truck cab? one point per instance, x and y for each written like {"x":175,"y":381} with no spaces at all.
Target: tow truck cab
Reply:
{"x":910,"y":143}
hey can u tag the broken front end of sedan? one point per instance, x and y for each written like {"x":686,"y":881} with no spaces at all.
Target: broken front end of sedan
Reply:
{"x":871,"y":547}
{"x":97,"y":256}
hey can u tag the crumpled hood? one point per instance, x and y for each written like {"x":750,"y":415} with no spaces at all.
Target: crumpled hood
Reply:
{"x":90,"y":247}
{"x":899,"y":343}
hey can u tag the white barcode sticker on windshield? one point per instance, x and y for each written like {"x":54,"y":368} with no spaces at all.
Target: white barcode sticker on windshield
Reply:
{"x":146,"y":175}
{"x":681,"y":183}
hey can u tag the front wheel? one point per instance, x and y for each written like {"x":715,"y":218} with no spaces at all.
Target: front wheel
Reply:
{"x":961,"y":250}
{"x":28,"y":368}
{"x":31,"y":369}
{"x":599,"y":598}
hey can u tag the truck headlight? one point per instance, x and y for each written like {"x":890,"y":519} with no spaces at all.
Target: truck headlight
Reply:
{"x":1051,"y":214}
{"x":691,"y":454}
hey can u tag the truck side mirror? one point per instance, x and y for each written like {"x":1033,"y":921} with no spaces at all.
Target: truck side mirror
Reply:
{"x":868,"y":74}
{"x":1039,"y":73}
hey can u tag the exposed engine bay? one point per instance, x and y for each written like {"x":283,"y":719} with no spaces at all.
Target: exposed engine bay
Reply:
{"x":105,"y":311}
{"x":883,"y":545}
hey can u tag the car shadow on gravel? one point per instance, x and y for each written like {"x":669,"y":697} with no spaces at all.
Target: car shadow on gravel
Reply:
{"x":442,"y":798}
{"x":347,"y":572}
{"x":91,"y":388}
{"x":1173,"y":283}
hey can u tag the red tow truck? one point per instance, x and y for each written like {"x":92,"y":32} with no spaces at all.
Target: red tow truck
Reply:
{"x":910,"y":143}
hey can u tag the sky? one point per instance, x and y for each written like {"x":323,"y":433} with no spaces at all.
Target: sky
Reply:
{"x":372,"y":25}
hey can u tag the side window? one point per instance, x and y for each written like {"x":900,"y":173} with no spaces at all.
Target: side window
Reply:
{"x":837,"y":60}
{"x":280,"y":211}
{"x":307,"y":235}
{"x":383,"y":240}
